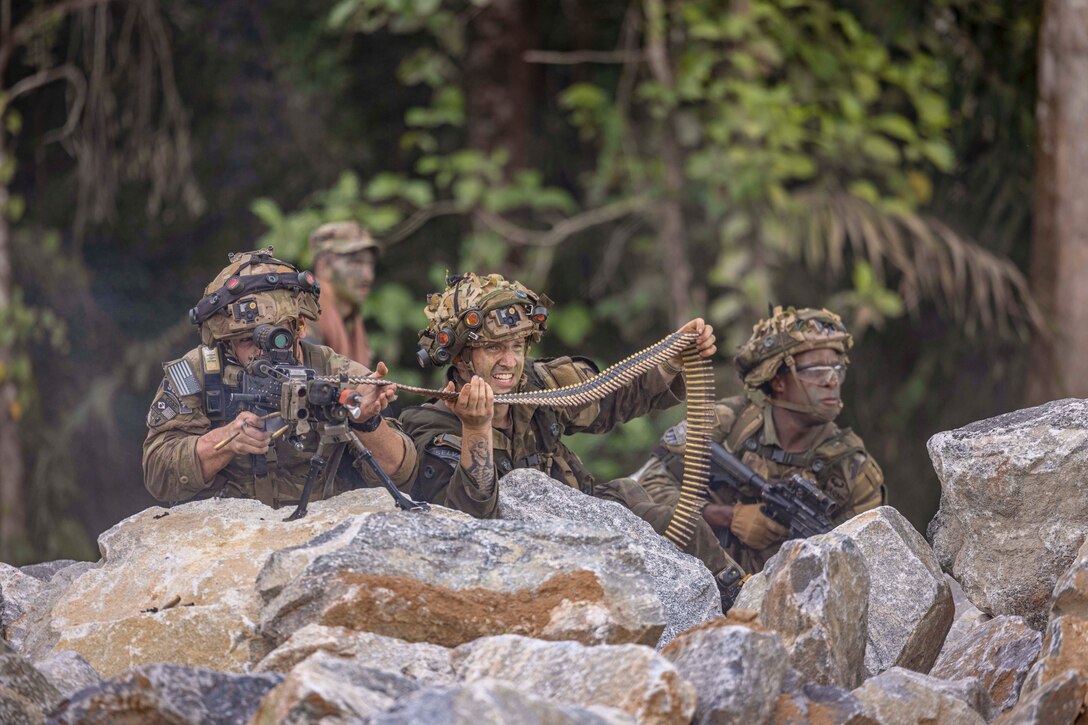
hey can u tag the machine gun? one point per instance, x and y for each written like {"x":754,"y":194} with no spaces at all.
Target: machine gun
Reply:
{"x":291,"y":397}
{"x":794,"y":502}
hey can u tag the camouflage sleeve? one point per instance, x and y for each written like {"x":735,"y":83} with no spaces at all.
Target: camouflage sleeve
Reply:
{"x":867,"y":486}
{"x":438,"y":476}
{"x":646,"y":393}
{"x":171,"y":468}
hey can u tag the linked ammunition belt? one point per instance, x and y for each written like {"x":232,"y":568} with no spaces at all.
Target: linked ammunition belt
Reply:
{"x":699,"y":377}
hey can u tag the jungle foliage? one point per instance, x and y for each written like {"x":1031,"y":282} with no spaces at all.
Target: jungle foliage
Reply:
{"x":641,"y":162}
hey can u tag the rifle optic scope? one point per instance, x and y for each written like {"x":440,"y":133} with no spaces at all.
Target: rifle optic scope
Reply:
{"x":272,"y":338}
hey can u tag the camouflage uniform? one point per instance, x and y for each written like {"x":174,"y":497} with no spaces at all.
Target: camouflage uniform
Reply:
{"x":234,"y":305}
{"x":534,"y":439}
{"x":172,"y":471}
{"x":837,"y":462}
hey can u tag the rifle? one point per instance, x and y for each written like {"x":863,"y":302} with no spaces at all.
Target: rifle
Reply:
{"x":289,"y":393}
{"x":795,"y":502}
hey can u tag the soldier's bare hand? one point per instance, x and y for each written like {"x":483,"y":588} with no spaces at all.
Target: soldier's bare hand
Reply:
{"x":474,"y":405}
{"x":706,"y":343}
{"x":373,"y":399}
{"x":246,"y":433}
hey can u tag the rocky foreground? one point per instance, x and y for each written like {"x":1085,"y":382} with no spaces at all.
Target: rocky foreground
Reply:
{"x":570,"y":609}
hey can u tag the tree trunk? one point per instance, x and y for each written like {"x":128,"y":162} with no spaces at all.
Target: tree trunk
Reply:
{"x":1059,"y":262}
{"x":673,"y":231}
{"x":12,"y":513}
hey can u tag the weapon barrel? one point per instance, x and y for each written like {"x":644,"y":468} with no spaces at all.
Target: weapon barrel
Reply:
{"x":724,"y":463}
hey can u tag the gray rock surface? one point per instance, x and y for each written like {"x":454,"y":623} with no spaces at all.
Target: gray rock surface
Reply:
{"x":632,"y":678}
{"x":18,"y":592}
{"x":26,"y":696}
{"x":910,"y":603}
{"x":446,"y":581}
{"x":998,"y":652}
{"x":490,"y":702}
{"x":329,"y":689}
{"x":45,"y":570}
{"x":903,"y":697}
{"x":1065,"y":642}
{"x":169,"y":694}
{"x":68,"y":672}
{"x":1014,"y":507}
{"x":1058,"y":702}
{"x":685,"y":587}
{"x":806,"y":703}
{"x":752,"y":593}
{"x":737,"y":671}
{"x":818,"y":601}
{"x":417,"y":660}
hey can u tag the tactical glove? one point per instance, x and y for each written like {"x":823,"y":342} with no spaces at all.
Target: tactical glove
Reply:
{"x":754,"y":528}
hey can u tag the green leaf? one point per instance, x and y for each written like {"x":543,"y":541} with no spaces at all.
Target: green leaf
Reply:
{"x":268,"y":212}
{"x":570,"y":323}
{"x":940,"y":154}
{"x":340,"y":13}
{"x":880,"y":149}
{"x":895,"y":126}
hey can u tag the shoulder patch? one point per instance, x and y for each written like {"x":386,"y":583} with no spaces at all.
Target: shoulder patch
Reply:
{"x":165,"y":408}
{"x":445,"y":446}
{"x":677,"y":435}
{"x":181,"y":376}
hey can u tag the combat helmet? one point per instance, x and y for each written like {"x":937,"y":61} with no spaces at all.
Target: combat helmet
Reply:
{"x":341,"y":238}
{"x":473,"y":311}
{"x":255,"y":288}
{"x":786,"y":333}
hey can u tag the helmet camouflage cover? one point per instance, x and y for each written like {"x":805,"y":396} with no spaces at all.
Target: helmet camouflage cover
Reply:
{"x":341,"y":238}
{"x":788,"y":332}
{"x":473,"y":311}
{"x":254,"y":289}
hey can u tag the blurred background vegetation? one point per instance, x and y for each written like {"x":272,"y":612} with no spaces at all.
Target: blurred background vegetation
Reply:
{"x":641,"y":161}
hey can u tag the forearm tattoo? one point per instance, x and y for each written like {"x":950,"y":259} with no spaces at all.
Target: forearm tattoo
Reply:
{"x":482,"y":468}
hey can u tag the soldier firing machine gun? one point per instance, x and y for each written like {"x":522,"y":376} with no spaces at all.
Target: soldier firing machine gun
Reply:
{"x":794,"y":502}
{"x":290,"y":397}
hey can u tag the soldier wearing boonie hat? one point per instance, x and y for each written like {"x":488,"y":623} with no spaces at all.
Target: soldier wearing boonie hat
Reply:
{"x":793,"y":367}
{"x":482,"y":326}
{"x":344,"y":256}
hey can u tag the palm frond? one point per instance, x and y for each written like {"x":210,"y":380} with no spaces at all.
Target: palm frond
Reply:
{"x":982,"y":290}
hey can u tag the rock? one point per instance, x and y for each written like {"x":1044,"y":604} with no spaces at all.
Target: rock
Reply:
{"x":177,"y":585}
{"x":752,"y":593}
{"x":632,"y":678}
{"x":804,"y":703}
{"x":68,"y":672}
{"x":998,"y":652}
{"x":910,"y":604}
{"x":905,"y":697}
{"x":684,"y":586}
{"x":172,"y":694}
{"x":45,"y":570}
{"x":737,"y":671}
{"x":1014,"y":509}
{"x":1065,"y":644}
{"x":967,"y":616}
{"x":32,"y":633}
{"x":489,"y":702}
{"x":18,"y":591}
{"x":26,"y":696}
{"x":417,"y":660}
{"x":326,"y":688}
{"x":818,"y":599}
{"x":1058,"y":702}
{"x":446,"y":581}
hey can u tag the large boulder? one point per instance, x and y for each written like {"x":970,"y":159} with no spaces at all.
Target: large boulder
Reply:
{"x":1014,"y":507}
{"x":632,"y":678}
{"x":449,"y":581}
{"x":26,"y":696}
{"x":18,"y":592}
{"x":737,"y":670}
{"x":326,"y":688}
{"x":490,"y":702}
{"x":817,"y":599}
{"x":177,"y":585}
{"x":417,"y":660}
{"x":910,"y":604}
{"x":805,"y":703}
{"x":998,"y":652}
{"x":68,"y":672}
{"x":905,"y":697}
{"x":966,"y":618}
{"x":685,"y":587}
{"x":168,"y":694}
